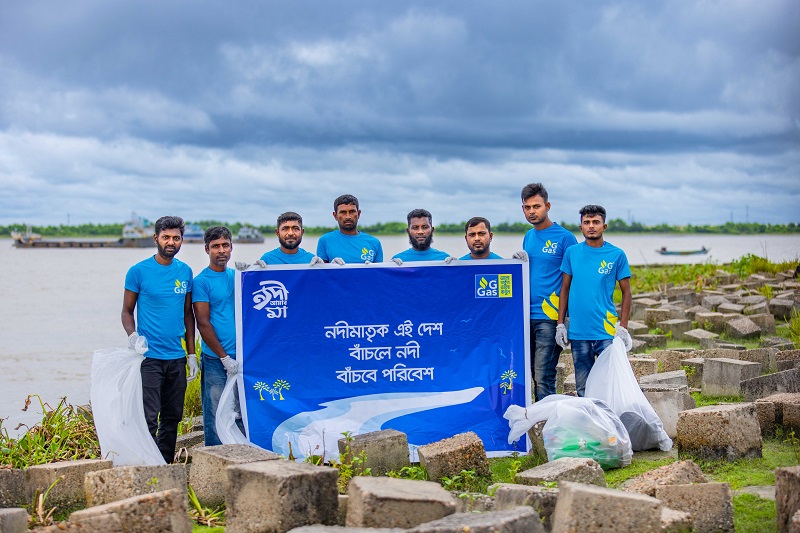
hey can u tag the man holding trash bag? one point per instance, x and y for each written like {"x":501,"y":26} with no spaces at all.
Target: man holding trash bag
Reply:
{"x":159,"y":289}
{"x":591,"y":271}
{"x":214,"y":309}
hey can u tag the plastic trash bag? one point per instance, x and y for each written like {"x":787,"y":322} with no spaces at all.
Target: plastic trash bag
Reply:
{"x":228,"y":431}
{"x":575,"y":427}
{"x":116,"y":397}
{"x":612,"y":380}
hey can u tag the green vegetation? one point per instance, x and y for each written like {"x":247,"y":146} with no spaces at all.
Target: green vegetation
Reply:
{"x":793,"y":328}
{"x":752,"y":514}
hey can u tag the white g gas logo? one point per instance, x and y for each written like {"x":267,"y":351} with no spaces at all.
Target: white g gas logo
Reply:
{"x":181,"y":286}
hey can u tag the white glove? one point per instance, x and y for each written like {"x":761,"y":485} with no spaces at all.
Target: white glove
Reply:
{"x":193,"y":370}
{"x":231,"y":365}
{"x":316,"y":261}
{"x":137,"y":342}
{"x":522,"y":255}
{"x":561,"y":335}
{"x":258,"y":265}
{"x":367,"y":262}
{"x":337,"y":261}
{"x":623,"y":334}
{"x":397,"y":261}
{"x":241,"y":265}
{"x":449,"y":259}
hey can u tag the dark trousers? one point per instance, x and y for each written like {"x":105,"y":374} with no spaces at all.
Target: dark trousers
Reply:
{"x":163,"y":391}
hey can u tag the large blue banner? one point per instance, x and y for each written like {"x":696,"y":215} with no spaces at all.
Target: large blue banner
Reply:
{"x":428,"y":349}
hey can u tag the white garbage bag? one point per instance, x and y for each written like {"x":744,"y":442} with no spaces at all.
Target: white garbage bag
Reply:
{"x":575,"y":427}
{"x":116,"y":397}
{"x":228,"y":431}
{"x":612,"y":380}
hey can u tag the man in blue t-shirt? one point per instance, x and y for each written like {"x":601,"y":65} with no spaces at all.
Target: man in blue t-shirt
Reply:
{"x":347,"y":243}
{"x":159,"y":290}
{"x":478,"y":234}
{"x":420,"y":235}
{"x":214,"y":309}
{"x":591,"y":271}
{"x":289,"y":231}
{"x":545,"y":245}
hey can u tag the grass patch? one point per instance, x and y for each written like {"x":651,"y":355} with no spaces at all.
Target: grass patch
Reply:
{"x":504,"y":469}
{"x":205,"y":529}
{"x":752,"y":514}
{"x":776,"y":453}
{"x":702,"y":401}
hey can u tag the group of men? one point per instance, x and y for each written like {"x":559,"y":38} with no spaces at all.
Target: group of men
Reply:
{"x":566,"y":279}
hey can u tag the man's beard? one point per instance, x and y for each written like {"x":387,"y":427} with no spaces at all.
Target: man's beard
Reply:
{"x":289,"y":246}
{"x":163,"y":253}
{"x":423,"y":246}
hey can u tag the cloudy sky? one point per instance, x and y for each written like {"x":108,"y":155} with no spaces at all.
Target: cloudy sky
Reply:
{"x":662,"y":111}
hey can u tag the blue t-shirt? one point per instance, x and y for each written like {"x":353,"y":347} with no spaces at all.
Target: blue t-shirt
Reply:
{"x":431,"y":254}
{"x":162,"y":291}
{"x":595,"y":272}
{"x":545,"y":252}
{"x":358,"y":248}
{"x":217,"y":288}
{"x":278,"y":257}
{"x":491,"y":255}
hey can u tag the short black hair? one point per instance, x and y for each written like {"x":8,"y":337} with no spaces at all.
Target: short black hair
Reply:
{"x":217,"y":232}
{"x":345,"y":199}
{"x":419,"y":213}
{"x":169,"y":222}
{"x":288,"y":217}
{"x":474,"y":221}
{"x":534,"y":189}
{"x":593,"y":210}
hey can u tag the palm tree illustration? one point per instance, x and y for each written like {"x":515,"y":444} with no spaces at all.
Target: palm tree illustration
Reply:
{"x":261,"y":386}
{"x":509,"y":375}
{"x":280,"y":385}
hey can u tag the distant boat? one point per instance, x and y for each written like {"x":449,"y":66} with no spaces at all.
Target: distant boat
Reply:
{"x":249,"y":235}
{"x":194,"y":234}
{"x":701,"y":251}
{"x":136,"y":233}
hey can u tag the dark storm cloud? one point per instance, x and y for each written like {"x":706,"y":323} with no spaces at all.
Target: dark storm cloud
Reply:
{"x":106,"y":106}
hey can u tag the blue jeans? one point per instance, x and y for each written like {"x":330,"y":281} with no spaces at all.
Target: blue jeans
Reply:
{"x":583,"y":355}
{"x":212,"y":381}
{"x":544,"y":352}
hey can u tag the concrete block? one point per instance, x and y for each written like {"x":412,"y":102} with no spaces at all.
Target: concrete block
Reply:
{"x":682,"y":295}
{"x":565,"y":358}
{"x":692,"y":311}
{"x":643,"y":366}
{"x":13,"y":520}
{"x":710,"y":321}
{"x":674,"y":521}
{"x":675,"y":377}
{"x":561,"y":376}
{"x":384,"y":450}
{"x":390,"y":502}
{"x":122,"y":482}
{"x":763,"y":386}
{"x":662,"y":387}
{"x":570,"y":387}
{"x":753,"y":299}
{"x":637,"y":328}
{"x":208,"y":476}
{"x":160,"y":511}
{"x":654,"y":315}
{"x":766,"y":416}
{"x":639,"y":305}
{"x":723,"y":377}
{"x":782,"y":309}
{"x":719,"y":352}
{"x":542,"y":499}
{"x":742,"y":328}
{"x":448,"y":457}
{"x":710,"y":504}
{"x":70,"y":492}
{"x":788,"y":365}
{"x":698,"y":336}
{"x":712,"y":302}
{"x":587,"y":508}
{"x":652,"y":341}
{"x":586,"y":471}
{"x":667,"y":405}
{"x":791,"y":417}
{"x":190,"y":440}
{"x":757,"y":309}
{"x":787,"y":495}
{"x":765,"y":322}
{"x":13,"y":488}
{"x":719,"y":432}
{"x":511,"y":521}
{"x":787,"y":355}
{"x":676,"y":326}
{"x":780,"y":402}
{"x":764,"y":356}
{"x":637,"y":346}
{"x":679,"y":473}
{"x":276,"y":496}
{"x":730,"y":308}
{"x":342,"y":514}
{"x":794,"y":524}
{"x":693,"y":367}
{"x":669,"y":360}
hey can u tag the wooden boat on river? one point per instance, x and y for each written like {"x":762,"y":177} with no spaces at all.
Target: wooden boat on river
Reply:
{"x":701,"y":251}
{"x":136,"y":233}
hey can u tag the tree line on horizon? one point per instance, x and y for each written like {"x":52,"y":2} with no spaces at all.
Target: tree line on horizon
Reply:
{"x":616,"y":225}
